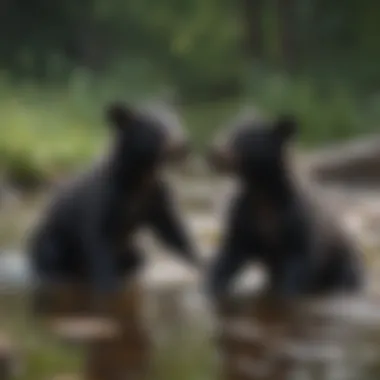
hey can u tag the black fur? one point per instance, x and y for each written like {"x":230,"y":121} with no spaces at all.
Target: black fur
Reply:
{"x":272,"y":219}
{"x":88,"y":232}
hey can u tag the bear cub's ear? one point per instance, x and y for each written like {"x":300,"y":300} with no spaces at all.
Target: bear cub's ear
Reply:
{"x":286,"y":127}
{"x":119,"y":115}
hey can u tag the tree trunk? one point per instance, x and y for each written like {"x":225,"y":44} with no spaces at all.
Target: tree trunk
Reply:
{"x":287,"y":33}
{"x":252,"y":18}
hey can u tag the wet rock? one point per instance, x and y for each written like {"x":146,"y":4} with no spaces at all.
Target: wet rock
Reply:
{"x":15,"y":271}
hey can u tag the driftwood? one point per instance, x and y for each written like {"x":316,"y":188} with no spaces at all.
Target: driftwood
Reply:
{"x":355,"y":162}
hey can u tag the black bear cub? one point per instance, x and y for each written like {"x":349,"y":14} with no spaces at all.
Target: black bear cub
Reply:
{"x":273,"y":220}
{"x":88,"y":230}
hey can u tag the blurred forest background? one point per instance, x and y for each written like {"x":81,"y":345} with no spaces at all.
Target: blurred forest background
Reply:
{"x":62,"y":60}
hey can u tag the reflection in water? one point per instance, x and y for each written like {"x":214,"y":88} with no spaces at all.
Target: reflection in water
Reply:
{"x":177,"y":344}
{"x":112,"y":330}
{"x":262,"y":338}
{"x":329,"y":339}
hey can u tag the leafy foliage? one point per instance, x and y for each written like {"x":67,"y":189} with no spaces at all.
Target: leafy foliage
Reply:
{"x":61,"y":61}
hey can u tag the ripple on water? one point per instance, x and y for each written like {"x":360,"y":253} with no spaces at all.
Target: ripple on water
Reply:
{"x":336,"y":338}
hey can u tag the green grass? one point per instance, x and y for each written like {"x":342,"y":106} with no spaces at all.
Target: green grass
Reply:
{"x":46,"y":132}
{"x":44,"y":137}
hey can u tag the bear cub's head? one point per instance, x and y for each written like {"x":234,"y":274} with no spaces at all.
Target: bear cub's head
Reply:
{"x":253,"y":149}
{"x":147,"y":138}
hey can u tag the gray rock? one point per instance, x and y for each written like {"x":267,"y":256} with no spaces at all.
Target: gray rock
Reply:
{"x":15,"y":271}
